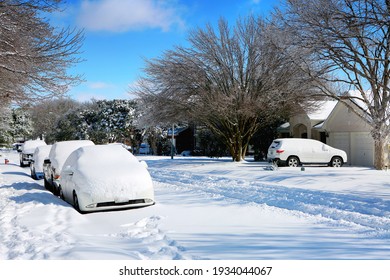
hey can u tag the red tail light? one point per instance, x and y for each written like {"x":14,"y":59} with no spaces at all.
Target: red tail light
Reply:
{"x":279,"y":151}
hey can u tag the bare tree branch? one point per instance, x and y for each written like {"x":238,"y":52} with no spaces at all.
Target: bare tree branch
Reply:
{"x":351,"y":39}
{"x":34,"y":56}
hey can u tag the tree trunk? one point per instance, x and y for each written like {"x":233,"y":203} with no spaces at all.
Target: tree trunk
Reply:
{"x":235,"y":148}
{"x":381,"y":158}
{"x":235,"y":151}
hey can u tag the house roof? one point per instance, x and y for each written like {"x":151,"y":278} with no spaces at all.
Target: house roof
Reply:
{"x":323,"y":111}
{"x":176,"y":131}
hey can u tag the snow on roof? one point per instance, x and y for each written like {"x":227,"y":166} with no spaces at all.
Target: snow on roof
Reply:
{"x":285,"y":125}
{"x":61,"y":150}
{"x":323,"y":111}
{"x":176,"y":131}
{"x":30,"y":145}
{"x":356,"y":97}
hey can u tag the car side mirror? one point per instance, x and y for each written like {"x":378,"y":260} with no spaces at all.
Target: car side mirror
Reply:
{"x":325,"y":148}
{"x":68,"y":172}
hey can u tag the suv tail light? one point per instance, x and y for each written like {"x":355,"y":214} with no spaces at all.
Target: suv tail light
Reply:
{"x":279,"y":151}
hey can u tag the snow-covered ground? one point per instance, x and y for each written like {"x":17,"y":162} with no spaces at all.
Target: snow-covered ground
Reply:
{"x":206,"y":209}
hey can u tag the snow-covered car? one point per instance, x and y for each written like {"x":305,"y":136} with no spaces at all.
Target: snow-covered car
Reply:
{"x":36,"y":167}
{"x":186,"y":153}
{"x":58,"y":154}
{"x":105,"y":177}
{"x":296,"y":151}
{"x":144,"y":149}
{"x":27,"y":151}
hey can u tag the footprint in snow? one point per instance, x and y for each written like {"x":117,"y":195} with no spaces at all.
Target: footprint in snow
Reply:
{"x":157,"y":243}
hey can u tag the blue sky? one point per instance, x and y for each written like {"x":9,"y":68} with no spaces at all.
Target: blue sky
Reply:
{"x":120,"y":34}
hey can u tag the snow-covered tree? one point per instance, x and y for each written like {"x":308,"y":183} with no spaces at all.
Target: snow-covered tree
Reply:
{"x":111,"y":120}
{"x":20,"y":126}
{"x":34,"y":55}
{"x":102,"y":121}
{"x":5,"y":123}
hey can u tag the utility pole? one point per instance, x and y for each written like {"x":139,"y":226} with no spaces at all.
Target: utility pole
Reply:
{"x":172,"y":141}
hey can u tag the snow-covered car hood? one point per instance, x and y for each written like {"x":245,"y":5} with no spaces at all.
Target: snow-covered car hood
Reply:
{"x":115,"y":185}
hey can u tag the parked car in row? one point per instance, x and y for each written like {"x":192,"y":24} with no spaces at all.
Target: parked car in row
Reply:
{"x":105,"y":177}
{"x":36,"y":167}
{"x":27,"y":150}
{"x":58,"y":154}
{"x":296,"y":151}
{"x":144,"y":149}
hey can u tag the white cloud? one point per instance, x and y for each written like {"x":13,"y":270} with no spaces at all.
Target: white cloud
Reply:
{"x":124,"y":15}
{"x":87,"y":96}
{"x":99,"y":85}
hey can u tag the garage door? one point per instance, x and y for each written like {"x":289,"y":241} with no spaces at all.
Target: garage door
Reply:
{"x":362,"y":149}
{"x":341,"y":140}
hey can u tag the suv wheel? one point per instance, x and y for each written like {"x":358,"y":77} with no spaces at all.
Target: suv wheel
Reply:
{"x":293,"y":161}
{"x":336,"y":162}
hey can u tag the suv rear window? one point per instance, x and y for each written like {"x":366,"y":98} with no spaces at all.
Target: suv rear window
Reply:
{"x":275,"y":145}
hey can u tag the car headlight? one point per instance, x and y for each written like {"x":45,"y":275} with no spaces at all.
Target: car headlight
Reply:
{"x":91,"y":205}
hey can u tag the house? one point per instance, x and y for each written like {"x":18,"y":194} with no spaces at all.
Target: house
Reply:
{"x":335,"y":124}
{"x":183,"y":138}
{"x":308,"y":125}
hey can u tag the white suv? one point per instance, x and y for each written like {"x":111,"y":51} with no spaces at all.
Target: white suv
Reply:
{"x":296,"y":151}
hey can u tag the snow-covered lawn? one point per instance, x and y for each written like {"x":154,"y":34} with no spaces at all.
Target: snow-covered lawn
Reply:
{"x":206,"y":209}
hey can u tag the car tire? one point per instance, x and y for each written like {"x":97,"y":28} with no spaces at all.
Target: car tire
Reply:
{"x":336,"y":162}
{"x":61,"y":193}
{"x":46,"y":184}
{"x":33,"y":174}
{"x":76,"y":204}
{"x":54,"y":189}
{"x":293,"y":161}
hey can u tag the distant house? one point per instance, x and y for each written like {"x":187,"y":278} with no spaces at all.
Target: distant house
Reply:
{"x":337,"y":125}
{"x":183,"y":138}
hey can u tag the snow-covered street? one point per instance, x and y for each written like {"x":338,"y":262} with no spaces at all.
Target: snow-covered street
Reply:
{"x":206,"y":209}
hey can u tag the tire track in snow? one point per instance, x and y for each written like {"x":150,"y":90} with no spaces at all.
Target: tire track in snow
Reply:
{"x":368,"y":216}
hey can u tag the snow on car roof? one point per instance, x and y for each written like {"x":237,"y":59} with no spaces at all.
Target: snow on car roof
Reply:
{"x":98,"y":155}
{"x":30,"y":145}
{"x":61,"y":150}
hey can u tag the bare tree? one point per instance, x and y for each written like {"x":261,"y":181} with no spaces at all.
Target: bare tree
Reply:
{"x":34,"y":56}
{"x":351,"y":39}
{"x":46,"y":114}
{"x":227,"y":79}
